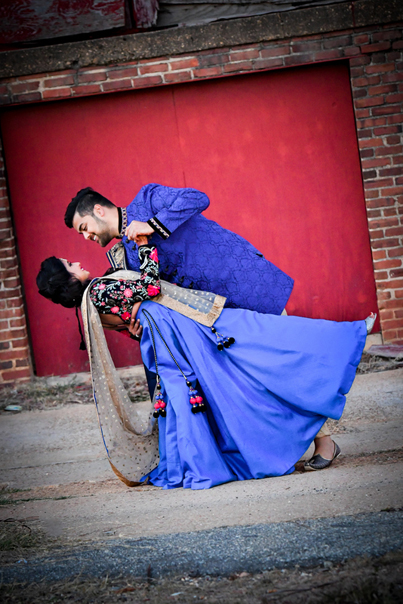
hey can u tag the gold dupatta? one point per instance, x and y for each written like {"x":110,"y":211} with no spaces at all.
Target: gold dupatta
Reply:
{"x":129,"y":431}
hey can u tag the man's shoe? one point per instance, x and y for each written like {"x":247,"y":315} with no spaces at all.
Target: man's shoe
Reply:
{"x":317,"y":462}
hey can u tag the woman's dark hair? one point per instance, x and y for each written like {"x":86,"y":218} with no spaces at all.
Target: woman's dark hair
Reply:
{"x":56,"y":283}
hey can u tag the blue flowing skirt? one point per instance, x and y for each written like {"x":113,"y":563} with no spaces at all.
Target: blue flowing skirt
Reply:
{"x":267,"y":395}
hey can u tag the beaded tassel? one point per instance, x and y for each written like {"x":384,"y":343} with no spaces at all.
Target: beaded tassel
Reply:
{"x":222,"y":341}
{"x":160,"y":404}
{"x":195,"y":399}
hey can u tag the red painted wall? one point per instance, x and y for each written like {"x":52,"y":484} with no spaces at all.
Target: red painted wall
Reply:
{"x":276,"y":152}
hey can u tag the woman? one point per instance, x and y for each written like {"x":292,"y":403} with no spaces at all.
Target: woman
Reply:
{"x":239,"y":395}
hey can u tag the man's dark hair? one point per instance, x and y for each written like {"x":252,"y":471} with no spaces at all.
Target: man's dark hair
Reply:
{"x":84,"y":203}
{"x":56,"y":283}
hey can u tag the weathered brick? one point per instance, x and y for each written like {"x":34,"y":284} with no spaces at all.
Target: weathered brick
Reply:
{"x":54,"y":93}
{"x":382,"y":295}
{"x":389,"y":34}
{"x":86,"y":89}
{"x":21,"y":87}
{"x":362,"y":113}
{"x":394,"y":231}
{"x":391,"y":172}
{"x":16,"y":374}
{"x":243,"y":55}
{"x":301,"y":47}
{"x":359,"y":61}
{"x":378,"y":254}
{"x":117,"y":85}
{"x":22,"y":363}
{"x":120,"y":74}
{"x":208,"y":72}
{"x":395,"y":252}
{"x":267,"y":63}
{"x":158,"y":68}
{"x":387,"y":212}
{"x":19,"y":342}
{"x":366,"y":153}
{"x":275,"y":51}
{"x":397,"y":272}
{"x":59,"y":82}
{"x":393,"y":191}
{"x":11,"y":354}
{"x":5,"y":365}
{"x":241,"y":66}
{"x":372,"y":80}
{"x":391,"y":324}
{"x":27,"y":98}
{"x":14,"y":303}
{"x":393,"y":304}
{"x":383,"y":89}
{"x":386,"y":264}
{"x":337,"y":42}
{"x":98,"y":76}
{"x":376,"y":163}
{"x":373,"y":142}
{"x":392,"y":150}
{"x":178,"y":76}
{"x":392,"y":77}
{"x":357,"y":72}
{"x":370,"y":48}
{"x":379,"y":182}
{"x":191,"y":62}
{"x":369,"y":102}
{"x":210,"y":61}
{"x":376,"y":234}
{"x":145,"y":81}
{"x":370,"y":69}
{"x":394,"y":98}
{"x":17,"y":322}
{"x":328,"y":55}
{"x":386,"y":314}
{"x":299,"y":59}
{"x":361,"y":39}
{"x":387,"y":130}
{"x":360,"y":93}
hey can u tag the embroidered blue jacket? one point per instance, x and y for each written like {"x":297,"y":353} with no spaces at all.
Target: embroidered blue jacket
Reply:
{"x":198,"y":253}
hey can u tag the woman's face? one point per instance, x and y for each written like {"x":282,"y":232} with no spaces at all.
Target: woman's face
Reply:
{"x":75,"y":269}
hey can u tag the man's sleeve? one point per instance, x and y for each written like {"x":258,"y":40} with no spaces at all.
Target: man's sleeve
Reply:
{"x":172,"y":207}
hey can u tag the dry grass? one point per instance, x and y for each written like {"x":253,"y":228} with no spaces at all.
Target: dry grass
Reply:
{"x":360,"y":581}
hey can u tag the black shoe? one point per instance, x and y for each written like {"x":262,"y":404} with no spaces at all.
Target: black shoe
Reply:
{"x":317,"y":462}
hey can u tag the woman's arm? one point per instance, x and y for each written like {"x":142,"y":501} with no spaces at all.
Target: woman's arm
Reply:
{"x":116,"y":299}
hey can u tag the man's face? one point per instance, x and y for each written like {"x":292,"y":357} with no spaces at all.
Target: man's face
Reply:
{"x":94,"y":227}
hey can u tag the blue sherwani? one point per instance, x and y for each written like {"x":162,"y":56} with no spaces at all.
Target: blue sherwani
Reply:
{"x":198,"y":253}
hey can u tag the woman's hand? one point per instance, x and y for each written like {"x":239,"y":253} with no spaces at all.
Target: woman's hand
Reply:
{"x":135,"y":329}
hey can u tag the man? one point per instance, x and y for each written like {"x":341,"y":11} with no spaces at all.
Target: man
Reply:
{"x":193,"y":251}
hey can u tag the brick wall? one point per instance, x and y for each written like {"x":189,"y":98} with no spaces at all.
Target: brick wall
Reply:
{"x":375,"y":57}
{"x":377,"y":83}
{"x":14,"y":350}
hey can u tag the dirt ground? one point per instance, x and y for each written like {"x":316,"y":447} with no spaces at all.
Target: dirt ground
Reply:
{"x":357,"y":581}
{"x":39,"y":395}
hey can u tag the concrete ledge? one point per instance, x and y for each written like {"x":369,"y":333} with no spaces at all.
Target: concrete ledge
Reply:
{"x":177,"y":41}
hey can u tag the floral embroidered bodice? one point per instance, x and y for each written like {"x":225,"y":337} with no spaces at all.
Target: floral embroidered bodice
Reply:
{"x":118,"y":297}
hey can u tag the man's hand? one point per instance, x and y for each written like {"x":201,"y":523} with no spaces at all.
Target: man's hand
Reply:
{"x":136,"y":230}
